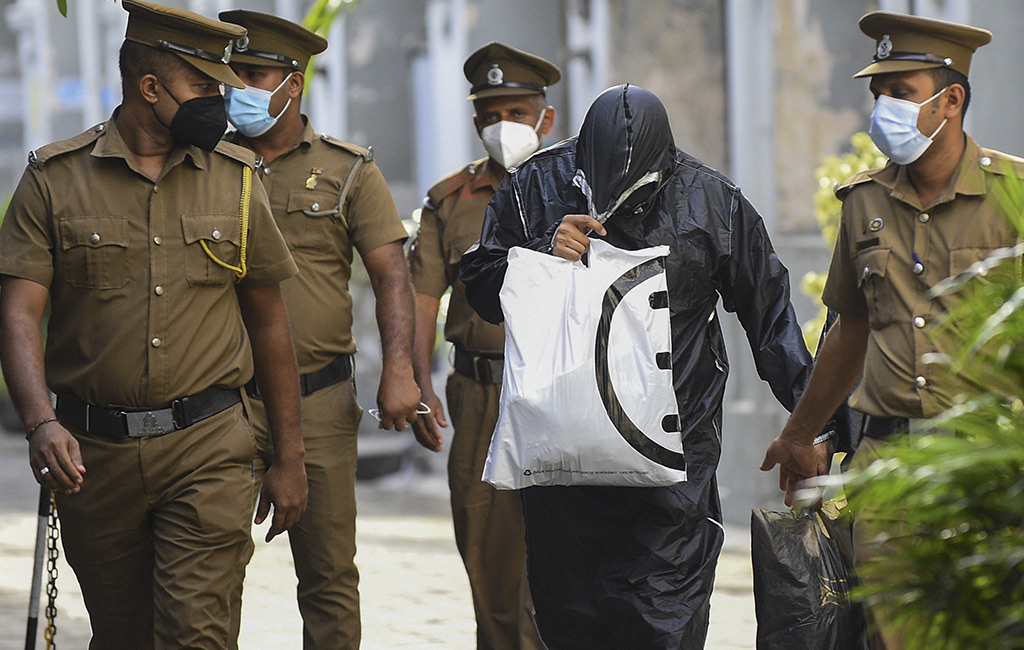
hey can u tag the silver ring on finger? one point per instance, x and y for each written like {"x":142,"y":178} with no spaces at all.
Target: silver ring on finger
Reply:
{"x":44,"y":471}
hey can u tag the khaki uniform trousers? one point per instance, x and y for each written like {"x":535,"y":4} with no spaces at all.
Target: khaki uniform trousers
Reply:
{"x":884,"y":635}
{"x":489,"y":529}
{"x":158,"y":533}
{"x":323,"y":541}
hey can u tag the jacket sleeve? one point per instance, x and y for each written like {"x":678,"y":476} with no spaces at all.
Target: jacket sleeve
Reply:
{"x":506,"y":224}
{"x":755,"y":285}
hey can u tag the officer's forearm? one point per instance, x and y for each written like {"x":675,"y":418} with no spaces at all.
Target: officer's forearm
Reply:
{"x":835,"y":373}
{"x":389,"y":277}
{"x":22,"y":303}
{"x":426,"y":334}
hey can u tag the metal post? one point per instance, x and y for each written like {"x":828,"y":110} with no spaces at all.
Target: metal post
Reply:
{"x":37,"y":569}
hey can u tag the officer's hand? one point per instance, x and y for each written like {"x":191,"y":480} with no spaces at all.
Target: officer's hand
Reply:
{"x":398,"y":398}
{"x":797,"y":462}
{"x":53,"y":448}
{"x":571,"y":240}
{"x":285,"y":487}
{"x":425,"y":427}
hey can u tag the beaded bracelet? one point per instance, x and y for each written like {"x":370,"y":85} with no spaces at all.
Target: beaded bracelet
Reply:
{"x":32,"y":429}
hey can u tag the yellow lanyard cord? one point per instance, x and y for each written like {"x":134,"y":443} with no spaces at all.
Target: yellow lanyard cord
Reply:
{"x":243,"y":229}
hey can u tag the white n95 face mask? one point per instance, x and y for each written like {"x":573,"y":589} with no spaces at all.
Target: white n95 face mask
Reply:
{"x":894,"y":128}
{"x":509,"y":143}
{"x":249,"y":108}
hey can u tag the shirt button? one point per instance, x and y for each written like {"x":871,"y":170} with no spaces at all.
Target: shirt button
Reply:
{"x":158,"y":240}
{"x":923,"y":217}
{"x":95,"y":238}
{"x":215,"y":234}
{"x":986,"y":161}
{"x":865,"y":273}
{"x":314,"y":207}
{"x":266,"y":170}
{"x":158,"y":290}
{"x":156,"y":342}
{"x":918,"y":322}
{"x":921,"y":381}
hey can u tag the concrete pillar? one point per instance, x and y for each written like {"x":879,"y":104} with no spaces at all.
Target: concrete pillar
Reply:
{"x":586,"y":74}
{"x":446,"y":145}
{"x":31,"y":20}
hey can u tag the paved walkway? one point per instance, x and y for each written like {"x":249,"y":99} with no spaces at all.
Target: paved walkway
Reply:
{"x":414,"y":591}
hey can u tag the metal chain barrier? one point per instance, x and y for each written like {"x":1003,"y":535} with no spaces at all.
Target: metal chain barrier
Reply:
{"x":52,"y":553}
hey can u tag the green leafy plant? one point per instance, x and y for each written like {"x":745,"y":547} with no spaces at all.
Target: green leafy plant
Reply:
{"x":834,"y":171}
{"x":957,"y":575}
{"x":319,"y":19}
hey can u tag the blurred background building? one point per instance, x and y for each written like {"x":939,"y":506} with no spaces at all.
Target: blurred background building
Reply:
{"x":759,"y":89}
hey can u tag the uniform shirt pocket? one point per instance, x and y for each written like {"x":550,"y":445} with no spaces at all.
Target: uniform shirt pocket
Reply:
{"x":878,"y":293}
{"x":220,"y":233}
{"x":95,"y":251}
{"x":310,"y":216}
{"x":961,"y":259}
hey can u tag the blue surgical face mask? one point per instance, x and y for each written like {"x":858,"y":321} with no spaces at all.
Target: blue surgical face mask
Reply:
{"x":249,"y":109}
{"x":894,"y":128}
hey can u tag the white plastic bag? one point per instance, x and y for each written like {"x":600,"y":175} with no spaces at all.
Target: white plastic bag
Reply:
{"x":587,"y":395}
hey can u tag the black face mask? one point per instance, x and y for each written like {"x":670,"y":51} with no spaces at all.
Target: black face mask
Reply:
{"x":201,"y":121}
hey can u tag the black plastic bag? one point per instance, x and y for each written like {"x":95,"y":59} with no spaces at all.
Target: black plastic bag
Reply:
{"x":803,"y":563}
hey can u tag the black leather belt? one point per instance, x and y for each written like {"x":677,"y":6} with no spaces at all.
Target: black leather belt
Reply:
{"x":881,"y":428}
{"x":334,"y":372}
{"x":486,"y":369}
{"x":119,"y":423}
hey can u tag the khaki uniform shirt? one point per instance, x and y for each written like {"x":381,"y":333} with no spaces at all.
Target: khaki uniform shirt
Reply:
{"x":450,"y":222}
{"x":140,"y":315}
{"x":303,"y":185}
{"x":884,"y":233}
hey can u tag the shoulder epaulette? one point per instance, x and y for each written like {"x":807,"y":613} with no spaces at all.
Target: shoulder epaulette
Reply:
{"x":453,"y":182}
{"x":39,"y":157}
{"x":843,"y":188}
{"x":237,"y":152}
{"x":1001,"y":163}
{"x":366,"y":154}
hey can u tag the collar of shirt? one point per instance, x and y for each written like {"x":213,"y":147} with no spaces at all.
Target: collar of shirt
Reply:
{"x":483,"y":176}
{"x":968,"y":179}
{"x":110,"y":144}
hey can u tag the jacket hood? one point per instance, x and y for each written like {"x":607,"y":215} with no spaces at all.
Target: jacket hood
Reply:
{"x":625,"y":137}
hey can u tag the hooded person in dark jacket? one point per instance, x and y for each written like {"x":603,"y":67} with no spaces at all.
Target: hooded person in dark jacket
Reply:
{"x":627,"y":567}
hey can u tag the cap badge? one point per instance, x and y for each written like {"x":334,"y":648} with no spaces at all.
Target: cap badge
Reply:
{"x":242,"y":44}
{"x":884,"y":47}
{"x":495,"y":76}
{"x":227,"y":54}
{"x":876,"y":225}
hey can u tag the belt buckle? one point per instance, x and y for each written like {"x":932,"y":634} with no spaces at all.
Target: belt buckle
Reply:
{"x":143,"y":424}
{"x":482,"y":369}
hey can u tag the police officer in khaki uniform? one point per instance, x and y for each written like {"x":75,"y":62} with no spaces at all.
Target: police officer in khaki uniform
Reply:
{"x":925,"y":216}
{"x":328,"y":198}
{"x":161,"y":261}
{"x":508,"y":90}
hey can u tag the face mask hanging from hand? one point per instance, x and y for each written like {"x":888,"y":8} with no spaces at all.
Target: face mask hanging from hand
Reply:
{"x":249,"y":108}
{"x":894,"y":128}
{"x":200,"y":121}
{"x":510,"y":143}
